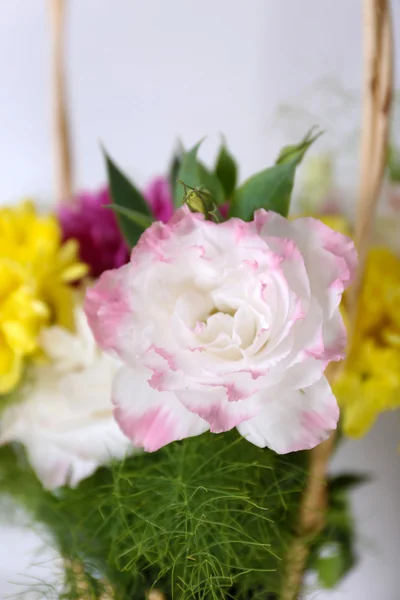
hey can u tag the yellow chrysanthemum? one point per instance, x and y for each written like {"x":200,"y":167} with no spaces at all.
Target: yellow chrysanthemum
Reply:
{"x":380,"y":302}
{"x":35,"y":272}
{"x":370,"y":382}
{"x":369,"y":385}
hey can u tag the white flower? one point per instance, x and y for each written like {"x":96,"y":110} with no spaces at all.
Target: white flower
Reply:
{"x":228,"y":325}
{"x":64,"y":417}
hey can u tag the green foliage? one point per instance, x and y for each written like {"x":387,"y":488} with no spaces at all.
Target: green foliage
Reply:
{"x":75,"y":519}
{"x":393,"y":164}
{"x":207,"y":518}
{"x":194,"y":174}
{"x":271,"y":189}
{"x":226,"y":171}
{"x":127,"y":198}
{"x":218,"y":520}
{"x":17,"y":482}
{"x":174,"y":169}
{"x":295,"y":153}
{"x":331,"y":565}
{"x":212,"y":183}
{"x":141,"y":220}
{"x":333,"y":553}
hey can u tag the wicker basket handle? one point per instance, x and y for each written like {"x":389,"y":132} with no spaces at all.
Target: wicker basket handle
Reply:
{"x":63,"y":187}
{"x":376,"y":99}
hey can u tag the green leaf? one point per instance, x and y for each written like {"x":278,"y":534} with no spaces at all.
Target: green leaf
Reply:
{"x":141,"y":220}
{"x":346,"y":481}
{"x":271,"y":189}
{"x":174,"y":169}
{"x":226,"y":171}
{"x":126,"y":196}
{"x":296,"y":152}
{"x":212,"y":184}
{"x":340,"y":518}
{"x":194,"y":174}
{"x":330,"y":565}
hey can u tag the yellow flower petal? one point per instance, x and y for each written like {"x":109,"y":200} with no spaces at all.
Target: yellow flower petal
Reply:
{"x":336,"y":222}
{"x":74,"y":272}
{"x":358,"y":418}
{"x":40,"y":308}
{"x":68,"y":252}
{"x":35,"y":270}
{"x":20,"y":339}
{"x":61,"y":298}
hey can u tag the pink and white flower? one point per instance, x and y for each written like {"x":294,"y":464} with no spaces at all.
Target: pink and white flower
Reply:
{"x":226,"y":325}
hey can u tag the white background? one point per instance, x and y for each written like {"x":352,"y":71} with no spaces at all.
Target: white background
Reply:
{"x":140,"y":74}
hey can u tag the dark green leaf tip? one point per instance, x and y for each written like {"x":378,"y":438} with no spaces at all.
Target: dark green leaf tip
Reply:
{"x":127,"y":198}
{"x":226,"y":171}
{"x":271,"y":189}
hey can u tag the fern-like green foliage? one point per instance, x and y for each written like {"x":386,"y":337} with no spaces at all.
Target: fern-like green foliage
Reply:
{"x":206,"y":518}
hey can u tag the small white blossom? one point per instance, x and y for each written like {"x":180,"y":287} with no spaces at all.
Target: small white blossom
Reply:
{"x":64,"y":417}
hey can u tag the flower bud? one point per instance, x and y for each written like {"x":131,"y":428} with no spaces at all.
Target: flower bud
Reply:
{"x":200,"y":200}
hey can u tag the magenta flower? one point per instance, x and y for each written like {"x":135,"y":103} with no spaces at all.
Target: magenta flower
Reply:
{"x":224,"y":210}
{"x":95,"y":227}
{"x":159,"y":198}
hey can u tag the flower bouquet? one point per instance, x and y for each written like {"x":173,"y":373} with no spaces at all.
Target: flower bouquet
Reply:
{"x":191,"y":371}
{"x":169,"y":362}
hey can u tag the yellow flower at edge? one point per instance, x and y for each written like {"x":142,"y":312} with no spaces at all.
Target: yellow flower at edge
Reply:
{"x":337,"y":222}
{"x":370,"y":382}
{"x":36,"y":271}
{"x":369,"y":385}
{"x":334,"y":221}
{"x":380,"y":300}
